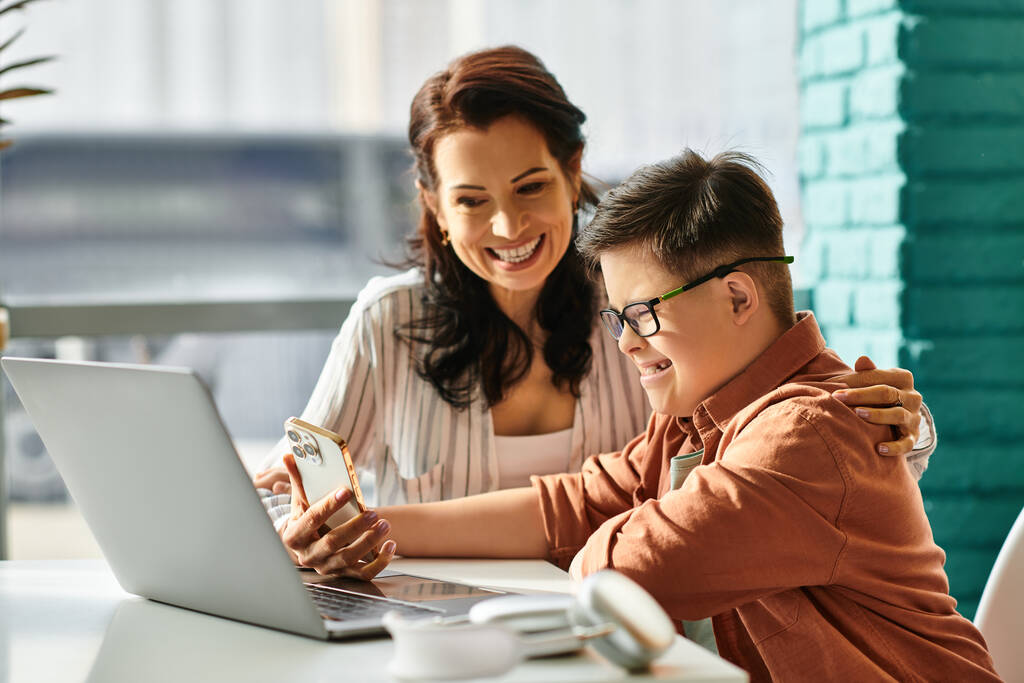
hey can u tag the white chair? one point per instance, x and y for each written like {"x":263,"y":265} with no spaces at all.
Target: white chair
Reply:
{"x":1000,"y":616}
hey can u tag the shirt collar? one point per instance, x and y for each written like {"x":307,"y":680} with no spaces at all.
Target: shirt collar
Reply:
{"x":797,"y":347}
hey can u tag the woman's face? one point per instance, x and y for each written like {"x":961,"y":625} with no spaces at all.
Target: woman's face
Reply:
{"x":505,"y":202}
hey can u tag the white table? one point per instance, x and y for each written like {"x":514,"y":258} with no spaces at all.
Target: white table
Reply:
{"x":66,"y":620}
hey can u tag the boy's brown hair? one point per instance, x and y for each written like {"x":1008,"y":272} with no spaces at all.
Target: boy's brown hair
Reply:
{"x":694,"y":215}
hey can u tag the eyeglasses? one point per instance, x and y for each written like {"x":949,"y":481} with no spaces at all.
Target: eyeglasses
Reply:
{"x":641,"y":316}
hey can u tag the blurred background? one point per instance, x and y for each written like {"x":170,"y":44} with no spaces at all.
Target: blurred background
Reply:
{"x":205,"y":159}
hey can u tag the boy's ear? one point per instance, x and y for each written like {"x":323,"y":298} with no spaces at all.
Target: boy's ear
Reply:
{"x":743,"y":296}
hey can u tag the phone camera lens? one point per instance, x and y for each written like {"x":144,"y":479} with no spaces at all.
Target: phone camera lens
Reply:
{"x":292,"y":435}
{"x":298,"y":452}
{"x":309,"y":448}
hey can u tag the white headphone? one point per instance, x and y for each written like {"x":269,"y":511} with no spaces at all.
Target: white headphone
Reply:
{"x":611,"y":613}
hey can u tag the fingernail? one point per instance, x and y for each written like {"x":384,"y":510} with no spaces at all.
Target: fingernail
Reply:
{"x":884,"y":450}
{"x":862,"y":412}
{"x":840,"y":395}
{"x":342,"y":495}
{"x":383,"y":525}
{"x":370,"y":516}
{"x":389,"y":546}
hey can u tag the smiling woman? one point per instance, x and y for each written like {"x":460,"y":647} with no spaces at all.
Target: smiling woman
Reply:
{"x":483,"y":363}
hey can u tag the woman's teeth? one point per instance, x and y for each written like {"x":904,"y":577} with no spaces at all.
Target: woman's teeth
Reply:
{"x":654,"y":369}
{"x":519,"y":254}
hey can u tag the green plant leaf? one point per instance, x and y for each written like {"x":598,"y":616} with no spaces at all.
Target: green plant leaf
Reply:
{"x":23,"y":92}
{"x":22,"y":4}
{"x":27,"y":62}
{"x":11,"y":40}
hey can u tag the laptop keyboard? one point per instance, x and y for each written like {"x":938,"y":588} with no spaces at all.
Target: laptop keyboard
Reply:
{"x":345,"y":606}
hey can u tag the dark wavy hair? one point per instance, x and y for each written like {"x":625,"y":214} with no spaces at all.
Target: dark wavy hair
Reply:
{"x":466,"y":340}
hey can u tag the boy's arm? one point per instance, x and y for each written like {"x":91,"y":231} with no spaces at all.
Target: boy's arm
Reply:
{"x":523,"y":522}
{"x":573,"y":506}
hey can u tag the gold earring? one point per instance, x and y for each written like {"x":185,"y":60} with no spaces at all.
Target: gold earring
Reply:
{"x":445,"y":239}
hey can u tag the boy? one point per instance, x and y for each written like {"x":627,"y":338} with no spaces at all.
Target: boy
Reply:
{"x":754,"y":496}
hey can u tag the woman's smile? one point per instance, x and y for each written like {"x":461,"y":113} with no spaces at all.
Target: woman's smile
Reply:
{"x":517,"y":257}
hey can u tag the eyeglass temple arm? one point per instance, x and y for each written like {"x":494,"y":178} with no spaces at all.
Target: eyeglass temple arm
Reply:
{"x":722,"y":271}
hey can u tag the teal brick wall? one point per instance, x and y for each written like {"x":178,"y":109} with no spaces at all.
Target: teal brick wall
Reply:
{"x":912,"y":167}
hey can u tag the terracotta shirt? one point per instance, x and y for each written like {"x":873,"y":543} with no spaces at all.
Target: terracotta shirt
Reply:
{"x":812,"y":553}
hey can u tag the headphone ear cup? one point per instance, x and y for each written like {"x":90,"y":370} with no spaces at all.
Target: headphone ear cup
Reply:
{"x":614,"y":647}
{"x":642,"y":628}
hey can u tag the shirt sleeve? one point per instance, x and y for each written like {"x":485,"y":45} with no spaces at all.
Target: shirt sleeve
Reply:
{"x":278,"y":506}
{"x":927,"y":440}
{"x":760,"y":519}
{"x":574,"y":505}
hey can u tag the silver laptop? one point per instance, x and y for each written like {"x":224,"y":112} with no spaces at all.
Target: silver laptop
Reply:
{"x":147,"y":459}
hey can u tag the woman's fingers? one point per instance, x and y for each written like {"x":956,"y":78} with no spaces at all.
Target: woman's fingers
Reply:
{"x":299,"y":501}
{"x":339,"y":541}
{"x":880,"y":395}
{"x":897,"y":378}
{"x":900,"y":447}
{"x":864,"y":364}
{"x":344,"y":533}
{"x":303,"y":530}
{"x":884,"y":397}
{"x":897,"y":417}
{"x":368,"y":570}
{"x":907,"y":423}
{"x":867,"y":375}
{"x":271,"y":478}
{"x":349,"y":555}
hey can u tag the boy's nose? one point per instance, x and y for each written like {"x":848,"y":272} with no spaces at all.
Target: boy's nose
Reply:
{"x":630,"y":341}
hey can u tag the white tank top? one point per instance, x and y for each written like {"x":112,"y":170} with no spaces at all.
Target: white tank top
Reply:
{"x":521,"y":456}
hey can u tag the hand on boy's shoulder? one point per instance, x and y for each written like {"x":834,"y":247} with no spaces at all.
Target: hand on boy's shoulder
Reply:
{"x":796,"y":420}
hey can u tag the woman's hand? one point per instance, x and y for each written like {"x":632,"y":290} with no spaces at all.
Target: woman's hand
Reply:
{"x":885,"y":397}
{"x":338,"y":551}
{"x":276,"y":479}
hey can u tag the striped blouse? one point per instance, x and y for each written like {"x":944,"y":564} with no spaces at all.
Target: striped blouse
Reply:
{"x":408,"y":444}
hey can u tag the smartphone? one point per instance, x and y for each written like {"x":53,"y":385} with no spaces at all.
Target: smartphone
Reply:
{"x":322,"y":459}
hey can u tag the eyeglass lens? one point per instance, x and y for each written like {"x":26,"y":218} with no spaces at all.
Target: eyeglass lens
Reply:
{"x":639,"y":316}
{"x":612,"y":322}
